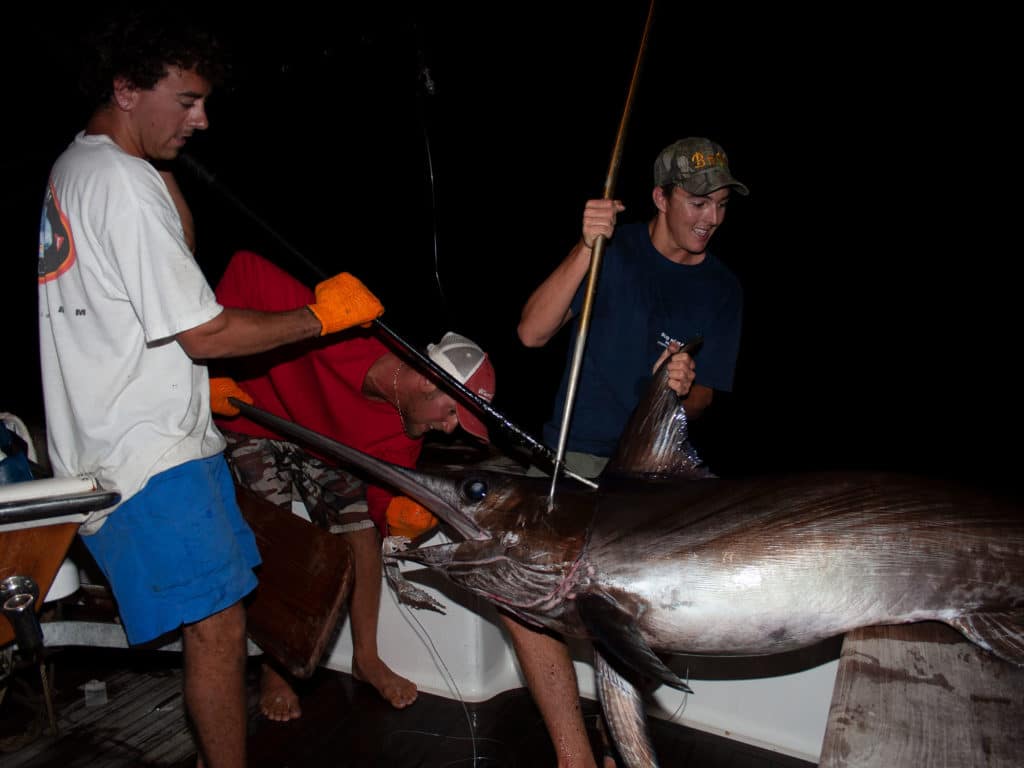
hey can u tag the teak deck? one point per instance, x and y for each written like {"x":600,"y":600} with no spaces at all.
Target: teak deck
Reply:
{"x":909,"y":696}
{"x":922,"y":695}
{"x":345,"y":724}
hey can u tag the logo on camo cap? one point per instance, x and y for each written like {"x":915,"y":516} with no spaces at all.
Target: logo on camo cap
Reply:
{"x":698,"y":165}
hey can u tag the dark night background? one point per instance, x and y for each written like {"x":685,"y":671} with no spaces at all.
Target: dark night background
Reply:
{"x":881,"y":323}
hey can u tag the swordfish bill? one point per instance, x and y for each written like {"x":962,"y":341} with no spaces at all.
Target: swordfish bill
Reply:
{"x":665,"y":557}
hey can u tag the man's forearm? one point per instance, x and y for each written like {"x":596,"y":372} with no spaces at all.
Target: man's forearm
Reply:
{"x":240,"y":332}
{"x":548,"y":307}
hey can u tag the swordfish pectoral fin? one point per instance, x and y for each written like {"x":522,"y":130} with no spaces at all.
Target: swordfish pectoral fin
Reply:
{"x":615,"y":630}
{"x":999,"y":633}
{"x":624,"y":712}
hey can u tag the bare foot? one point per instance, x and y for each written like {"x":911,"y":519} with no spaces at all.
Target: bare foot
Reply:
{"x":393,"y":688}
{"x":277,"y":699}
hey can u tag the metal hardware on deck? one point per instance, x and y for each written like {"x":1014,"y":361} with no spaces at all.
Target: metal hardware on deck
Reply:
{"x":18,"y":596}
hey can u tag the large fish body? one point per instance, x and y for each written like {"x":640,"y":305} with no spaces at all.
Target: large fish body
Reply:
{"x":733,"y":567}
{"x":666,"y":555}
{"x":740,"y":567}
{"x":765,"y":565}
{"x":666,"y":558}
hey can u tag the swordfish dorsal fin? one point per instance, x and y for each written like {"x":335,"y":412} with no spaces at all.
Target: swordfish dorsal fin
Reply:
{"x":655,"y":442}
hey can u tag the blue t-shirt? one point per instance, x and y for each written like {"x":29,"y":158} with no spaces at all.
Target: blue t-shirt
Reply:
{"x":642,"y":299}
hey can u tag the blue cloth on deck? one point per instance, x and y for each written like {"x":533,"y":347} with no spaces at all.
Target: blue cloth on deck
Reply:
{"x":14,"y":466}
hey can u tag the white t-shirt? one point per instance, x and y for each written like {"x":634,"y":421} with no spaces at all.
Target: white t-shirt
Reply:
{"x":116,"y":283}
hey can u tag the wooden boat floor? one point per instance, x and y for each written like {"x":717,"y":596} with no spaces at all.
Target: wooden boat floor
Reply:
{"x":921,"y":694}
{"x":344,"y":723}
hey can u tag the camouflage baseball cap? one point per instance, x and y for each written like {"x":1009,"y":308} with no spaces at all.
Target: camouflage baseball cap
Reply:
{"x":697,"y":165}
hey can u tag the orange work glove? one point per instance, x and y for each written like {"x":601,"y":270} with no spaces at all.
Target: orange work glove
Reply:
{"x":342,"y":302}
{"x":407,"y":518}
{"x":221,"y":388}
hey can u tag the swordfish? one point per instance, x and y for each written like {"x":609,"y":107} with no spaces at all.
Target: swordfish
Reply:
{"x":665,"y":557}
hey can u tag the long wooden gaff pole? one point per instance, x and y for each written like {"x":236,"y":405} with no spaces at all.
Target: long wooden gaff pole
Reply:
{"x":595,"y":267}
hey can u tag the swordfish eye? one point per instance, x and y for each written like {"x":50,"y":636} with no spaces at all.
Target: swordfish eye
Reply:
{"x":474,"y":489}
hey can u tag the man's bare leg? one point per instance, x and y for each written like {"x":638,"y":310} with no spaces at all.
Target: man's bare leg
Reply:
{"x":551,"y":678}
{"x":214,"y":651}
{"x":278,"y":700}
{"x":364,"y":607}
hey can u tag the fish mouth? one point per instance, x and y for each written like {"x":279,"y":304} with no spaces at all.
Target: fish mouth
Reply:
{"x":436,"y":556}
{"x":455,"y":555}
{"x":488,"y":569}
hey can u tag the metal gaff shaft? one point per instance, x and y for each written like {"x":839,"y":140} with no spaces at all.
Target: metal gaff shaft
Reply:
{"x":595,"y":267}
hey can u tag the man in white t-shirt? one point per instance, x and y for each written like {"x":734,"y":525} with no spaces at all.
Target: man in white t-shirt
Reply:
{"x":127,"y":320}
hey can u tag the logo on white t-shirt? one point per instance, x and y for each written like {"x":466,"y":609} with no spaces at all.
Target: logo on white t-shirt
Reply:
{"x":56,"y":246}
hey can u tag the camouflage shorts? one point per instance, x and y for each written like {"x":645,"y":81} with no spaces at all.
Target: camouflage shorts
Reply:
{"x":282,"y":472}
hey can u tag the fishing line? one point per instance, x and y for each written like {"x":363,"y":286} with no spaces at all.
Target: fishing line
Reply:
{"x":424,"y":636}
{"x":203,"y":174}
{"x":434,"y":228}
{"x":677,"y":713}
{"x":446,"y":737}
{"x":507,"y":427}
{"x":429,"y":89}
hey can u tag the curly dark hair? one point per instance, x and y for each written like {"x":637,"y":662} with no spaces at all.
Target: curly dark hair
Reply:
{"x":141,"y":44}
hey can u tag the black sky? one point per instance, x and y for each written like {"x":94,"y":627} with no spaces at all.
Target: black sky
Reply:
{"x":881,"y":295}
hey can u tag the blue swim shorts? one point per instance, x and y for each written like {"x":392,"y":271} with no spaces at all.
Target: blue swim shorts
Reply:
{"x":178,"y":551}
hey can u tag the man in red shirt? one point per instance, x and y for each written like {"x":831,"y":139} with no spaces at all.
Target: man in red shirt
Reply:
{"x":357,"y":391}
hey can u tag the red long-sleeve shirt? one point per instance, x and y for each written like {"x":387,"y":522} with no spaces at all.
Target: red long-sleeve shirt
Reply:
{"x":317,"y":385}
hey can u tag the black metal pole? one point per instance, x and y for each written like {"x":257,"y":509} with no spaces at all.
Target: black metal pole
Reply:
{"x":423,"y":361}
